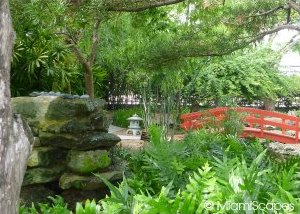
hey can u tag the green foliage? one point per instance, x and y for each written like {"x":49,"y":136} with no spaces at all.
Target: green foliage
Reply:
{"x":294,"y":81}
{"x":233,"y":122}
{"x":183,"y":177}
{"x":58,"y":207}
{"x":163,"y":162}
{"x":146,"y":47}
{"x":41,"y":59}
{"x":90,"y":207}
{"x":159,"y":164}
{"x":251,"y":75}
{"x":121,"y":198}
{"x":120,"y":116}
{"x":238,"y":182}
{"x":44,"y":58}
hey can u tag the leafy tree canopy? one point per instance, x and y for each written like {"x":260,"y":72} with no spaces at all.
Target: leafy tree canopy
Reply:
{"x":252,"y":75}
{"x":113,"y":44}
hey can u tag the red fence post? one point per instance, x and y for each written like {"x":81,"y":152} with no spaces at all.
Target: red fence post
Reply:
{"x":262,"y":125}
{"x":283,"y":130}
{"x":297,"y":131}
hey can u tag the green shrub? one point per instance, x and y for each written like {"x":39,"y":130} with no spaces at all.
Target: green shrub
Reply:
{"x":90,"y":207}
{"x":162,"y":162}
{"x":230,"y":180}
{"x":233,"y":122}
{"x":58,"y":206}
{"x":180,"y":177}
{"x":120,"y":116}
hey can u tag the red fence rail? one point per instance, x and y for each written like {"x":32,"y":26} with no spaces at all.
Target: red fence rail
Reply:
{"x":274,"y":126}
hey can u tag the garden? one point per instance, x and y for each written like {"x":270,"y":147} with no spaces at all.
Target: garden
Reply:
{"x":204,"y":173}
{"x":75,"y":68}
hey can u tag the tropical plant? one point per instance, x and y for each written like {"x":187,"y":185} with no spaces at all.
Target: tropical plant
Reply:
{"x":58,"y":207}
{"x":215,"y":189}
{"x":121,"y":198}
{"x":42,"y":61}
{"x":90,"y":207}
{"x":204,"y":173}
{"x":53,"y":36}
{"x":163,"y":162}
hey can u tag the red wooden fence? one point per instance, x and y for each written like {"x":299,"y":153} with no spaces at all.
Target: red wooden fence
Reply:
{"x":258,"y":123}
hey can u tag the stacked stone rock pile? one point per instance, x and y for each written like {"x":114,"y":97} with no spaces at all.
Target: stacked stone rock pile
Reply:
{"x":71,"y":141}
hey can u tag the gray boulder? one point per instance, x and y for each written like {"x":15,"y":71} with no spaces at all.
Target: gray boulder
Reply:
{"x":57,"y":115}
{"x":69,"y":180}
{"x":87,"y":161}
{"x":80,"y":141}
{"x":42,"y":175}
{"x":68,"y":109}
{"x":35,"y":194}
{"x":44,"y":156}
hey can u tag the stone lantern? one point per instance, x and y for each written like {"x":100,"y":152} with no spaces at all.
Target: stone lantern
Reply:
{"x":134,"y":126}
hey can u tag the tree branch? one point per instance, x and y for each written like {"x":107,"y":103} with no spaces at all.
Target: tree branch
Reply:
{"x":288,"y":16}
{"x":179,"y":53}
{"x":73,"y":46}
{"x":256,"y":38}
{"x":95,"y":41}
{"x":276,"y":29}
{"x":78,"y":53}
{"x":267,"y":12}
{"x":139,"y":5}
{"x":290,"y":44}
{"x":293,"y":5}
{"x":69,"y":37}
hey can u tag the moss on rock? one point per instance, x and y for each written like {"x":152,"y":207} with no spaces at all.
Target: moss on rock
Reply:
{"x":56,"y":114}
{"x":79,"y":141}
{"x":42,"y":175}
{"x":69,"y":180}
{"x":44,"y":156}
{"x":87,"y":161}
{"x":71,"y":108}
{"x":32,"y":108}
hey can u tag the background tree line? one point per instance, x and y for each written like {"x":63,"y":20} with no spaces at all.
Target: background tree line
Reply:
{"x":107,"y":49}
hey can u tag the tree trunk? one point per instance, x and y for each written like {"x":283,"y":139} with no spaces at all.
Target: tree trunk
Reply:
{"x":89,"y":81}
{"x":269,"y":104}
{"x":87,"y":65}
{"x":87,"y":69}
{"x":14,"y":139}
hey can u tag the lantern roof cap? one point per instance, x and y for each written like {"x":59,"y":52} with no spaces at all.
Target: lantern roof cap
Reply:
{"x":135,"y":117}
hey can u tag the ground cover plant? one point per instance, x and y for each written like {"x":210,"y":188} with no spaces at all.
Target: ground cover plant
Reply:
{"x":200,"y":174}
